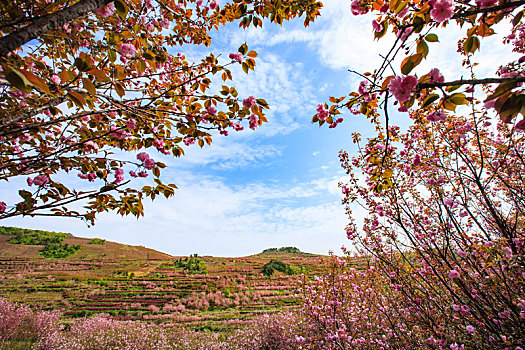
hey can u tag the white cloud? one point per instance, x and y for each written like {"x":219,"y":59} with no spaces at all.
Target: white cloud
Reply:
{"x":209,"y":217}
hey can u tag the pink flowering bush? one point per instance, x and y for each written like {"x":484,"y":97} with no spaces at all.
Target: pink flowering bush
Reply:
{"x":439,"y":252}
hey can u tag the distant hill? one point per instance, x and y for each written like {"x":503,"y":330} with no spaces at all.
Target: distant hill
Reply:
{"x":27,"y":243}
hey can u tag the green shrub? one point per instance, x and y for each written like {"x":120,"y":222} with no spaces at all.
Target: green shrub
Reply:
{"x":97,"y":241}
{"x":52,"y":241}
{"x":59,"y":250}
{"x":273,"y":265}
{"x":293,"y":250}
{"x":192,"y":264}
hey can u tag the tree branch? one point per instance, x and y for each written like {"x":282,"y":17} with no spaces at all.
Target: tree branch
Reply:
{"x":46,"y":23}
{"x":471,"y":82}
{"x":504,"y":6}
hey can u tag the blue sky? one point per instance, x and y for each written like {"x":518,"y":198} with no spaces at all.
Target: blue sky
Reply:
{"x":276,"y":186}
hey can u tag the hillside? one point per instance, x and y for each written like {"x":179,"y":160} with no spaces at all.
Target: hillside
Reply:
{"x":129,"y":282}
{"x":88,"y":251}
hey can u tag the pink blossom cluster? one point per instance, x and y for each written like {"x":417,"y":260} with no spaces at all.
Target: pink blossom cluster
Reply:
{"x":377,"y":26}
{"x":127,"y":50}
{"x":436,"y":116}
{"x":436,"y":76}
{"x":442,"y":10}
{"x":322,"y":112}
{"x":118,"y":133}
{"x":40,"y":180}
{"x":89,"y":176}
{"x":358,"y":7}
{"x":249,"y":102}
{"x":486,"y":3}
{"x":106,"y":11}
{"x":236,"y":56}
{"x":188,"y":140}
{"x":254,"y":121}
{"x":402,"y":87}
{"x":148,"y":162}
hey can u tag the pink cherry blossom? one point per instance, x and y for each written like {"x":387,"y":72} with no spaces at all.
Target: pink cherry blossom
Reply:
{"x":142,"y":156}
{"x":211,"y":110}
{"x":403,"y":34}
{"x":436,"y":76}
{"x":236,"y":56}
{"x":41,"y":180}
{"x":3,"y":207}
{"x":127,"y":50}
{"x":142,"y":174}
{"x":417,"y":160}
{"x":358,"y":8}
{"x":254,"y":121}
{"x":29,"y":181}
{"x":131,"y":124}
{"x":55,"y":79}
{"x":453,"y":274}
{"x":402,"y":87}
{"x":159,"y":143}
{"x":106,"y":11}
{"x":249,"y":102}
{"x":442,"y":10}
{"x":436,"y":116}
{"x":164,"y":23}
{"x":520,"y":125}
{"x":377,"y":26}
{"x":214,"y":5}
{"x":238,"y":127}
{"x":486,"y":3}
{"x":119,"y":175}
{"x":189,"y":141}
{"x":323,"y":112}
{"x":149,"y":164}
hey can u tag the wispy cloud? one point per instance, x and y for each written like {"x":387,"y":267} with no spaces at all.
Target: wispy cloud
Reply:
{"x":210,"y":217}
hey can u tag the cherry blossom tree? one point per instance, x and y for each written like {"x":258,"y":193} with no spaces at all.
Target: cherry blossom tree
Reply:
{"x":93,"y":89}
{"x":438,"y":261}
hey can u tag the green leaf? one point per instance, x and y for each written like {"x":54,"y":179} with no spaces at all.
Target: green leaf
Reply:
{"x":422,"y":48}
{"x":121,"y":7}
{"x":459,"y":99}
{"x":501,"y":89}
{"x":429,"y":100}
{"x":77,"y":98}
{"x":243,"y":49}
{"x":432,"y":38}
{"x":471,"y":44}
{"x":517,"y":19}
{"x":18,"y":80}
{"x":418,"y":24}
{"x":407,"y":67}
{"x":25,"y":194}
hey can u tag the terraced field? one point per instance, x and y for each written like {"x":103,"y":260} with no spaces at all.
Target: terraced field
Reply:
{"x":142,"y":284}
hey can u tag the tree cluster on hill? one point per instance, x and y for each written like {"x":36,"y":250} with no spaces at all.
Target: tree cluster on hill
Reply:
{"x":275,"y":265}
{"x":293,"y":250}
{"x":193,"y":264}
{"x":52,"y":241}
